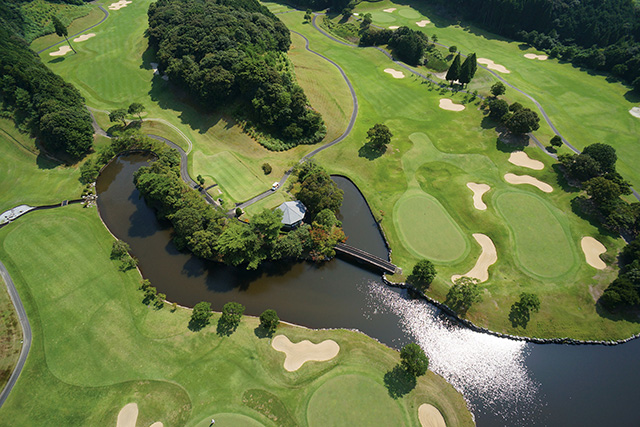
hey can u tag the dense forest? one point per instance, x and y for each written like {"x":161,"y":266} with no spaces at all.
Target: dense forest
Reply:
{"x":234,"y":51}
{"x":39,"y":101}
{"x":601,"y":35}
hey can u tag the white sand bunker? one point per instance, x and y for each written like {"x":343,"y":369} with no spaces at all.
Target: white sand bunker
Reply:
{"x":304,"y":351}
{"x":84,"y":37}
{"x":592,"y":250}
{"x":520,"y":158}
{"x":395,"y":73}
{"x":478,"y":192}
{"x":423,"y":23}
{"x":534,"y":56}
{"x":429,"y":416}
{"x":63,"y":50}
{"x":394,"y":27}
{"x":391,"y":9}
{"x":493,"y":66}
{"x":128,"y":416}
{"x":635,"y":112}
{"x":487,"y":258}
{"x":119,"y":5}
{"x":447,"y":104}
{"x":526,"y":179}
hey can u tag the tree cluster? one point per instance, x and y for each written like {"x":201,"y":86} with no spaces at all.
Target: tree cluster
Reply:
{"x":407,"y":44}
{"x":41,"y":102}
{"x":624,"y":292}
{"x":595,"y":172}
{"x":516,"y":118}
{"x":234,"y":52}
{"x":590,"y":33}
{"x":463,"y":294}
{"x":521,"y":310}
{"x":464,"y":72}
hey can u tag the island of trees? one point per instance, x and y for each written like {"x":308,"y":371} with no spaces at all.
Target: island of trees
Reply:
{"x":233,"y":54}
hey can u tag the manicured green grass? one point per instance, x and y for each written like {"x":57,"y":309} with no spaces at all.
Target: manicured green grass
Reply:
{"x":438,"y":152}
{"x":96,"y":347}
{"x":585,"y":107}
{"x":232,"y":175}
{"x":427,"y":230}
{"x":27,"y":178}
{"x":543,"y":247}
{"x":352,"y":400}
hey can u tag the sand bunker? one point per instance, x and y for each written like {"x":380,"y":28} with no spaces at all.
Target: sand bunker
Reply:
{"x":520,"y":158}
{"x":526,"y":179}
{"x":429,"y":416}
{"x":635,"y":112}
{"x":487,"y":258}
{"x":304,"y":351}
{"x":423,"y":23}
{"x":592,"y":250}
{"x":128,"y":416}
{"x":493,"y":66}
{"x":119,"y":5}
{"x":63,"y":50}
{"x":391,"y":9}
{"x":478,"y":192}
{"x":395,"y":73}
{"x":534,"y":56}
{"x":394,"y":27}
{"x":447,"y":104}
{"x":84,"y":37}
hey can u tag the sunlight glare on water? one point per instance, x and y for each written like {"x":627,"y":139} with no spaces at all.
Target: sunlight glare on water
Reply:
{"x":488,"y":370}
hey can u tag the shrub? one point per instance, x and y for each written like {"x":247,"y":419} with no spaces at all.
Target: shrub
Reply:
{"x":423,"y":273}
{"x":200,"y":315}
{"x":269,"y":320}
{"x":119,"y":249}
{"x":266,"y":168}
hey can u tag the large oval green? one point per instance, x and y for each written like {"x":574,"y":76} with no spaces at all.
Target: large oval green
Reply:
{"x":353,"y":400}
{"x":427,"y":229}
{"x":542,"y":245}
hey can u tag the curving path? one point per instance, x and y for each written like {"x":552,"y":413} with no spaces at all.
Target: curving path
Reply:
{"x":26,"y":333}
{"x":106,"y":15}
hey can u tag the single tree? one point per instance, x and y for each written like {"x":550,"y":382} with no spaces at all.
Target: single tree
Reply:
{"x":464,"y":292}
{"x":468,"y":69}
{"x":136,"y":108}
{"x":238,"y":212}
{"x":307,"y":16}
{"x":119,"y":249}
{"x":61,"y":30}
{"x":269,"y":321}
{"x":521,"y":310}
{"x":266,"y":168}
{"x":423,"y":273}
{"x":523,"y":121}
{"x":453,"y":73}
{"x":556,"y":141}
{"x":118,"y":115}
{"x":200,"y":316}
{"x":379,"y":136}
{"x":434,"y":38}
{"x":498,"y":108}
{"x":453,"y":49}
{"x":498,"y":89}
{"x":602,"y":190}
{"x":231,"y":315}
{"x":414,"y":360}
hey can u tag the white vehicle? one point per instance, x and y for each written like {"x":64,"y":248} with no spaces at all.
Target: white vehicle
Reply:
{"x":275,"y":186}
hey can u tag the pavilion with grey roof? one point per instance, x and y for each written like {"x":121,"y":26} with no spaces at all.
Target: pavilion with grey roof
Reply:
{"x":292,"y":214}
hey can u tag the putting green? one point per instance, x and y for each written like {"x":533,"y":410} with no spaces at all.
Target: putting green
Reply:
{"x":231,"y":174}
{"x":427,"y":229}
{"x":352,"y":400}
{"x":229,"y":419}
{"x":409,"y":14}
{"x":383,"y":17}
{"x":542,"y":245}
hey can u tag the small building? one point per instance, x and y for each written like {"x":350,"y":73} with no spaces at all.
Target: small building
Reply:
{"x":292,"y":214}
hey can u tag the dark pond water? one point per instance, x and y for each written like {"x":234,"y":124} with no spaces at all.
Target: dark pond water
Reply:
{"x":506,"y":382}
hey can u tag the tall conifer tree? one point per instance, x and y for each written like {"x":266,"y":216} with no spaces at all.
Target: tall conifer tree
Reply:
{"x":454,"y":70}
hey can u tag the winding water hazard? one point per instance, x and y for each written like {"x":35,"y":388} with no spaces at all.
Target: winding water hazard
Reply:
{"x":506,"y":382}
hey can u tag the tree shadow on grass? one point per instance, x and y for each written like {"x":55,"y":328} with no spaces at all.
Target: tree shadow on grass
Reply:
{"x":197,"y":325}
{"x":369,"y":152}
{"x":225,"y":328}
{"x":582,"y":207}
{"x":261,"y":332}
{"x":399,"y":382}
{"x":519,"y":317}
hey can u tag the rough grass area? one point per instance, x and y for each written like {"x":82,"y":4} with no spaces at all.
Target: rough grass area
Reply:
{"x":93,"y":16}
{"x":97,"y":347}
{"x":10,"y":336}
{"x":37,"y":16}
{"x":30,"y":178}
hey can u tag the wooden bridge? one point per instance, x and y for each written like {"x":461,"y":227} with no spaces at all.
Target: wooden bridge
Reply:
{"x":366,"y":258}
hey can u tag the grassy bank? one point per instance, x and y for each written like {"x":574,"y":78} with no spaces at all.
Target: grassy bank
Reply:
{"x":97,"y":347}
{"x":10,"y":336}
